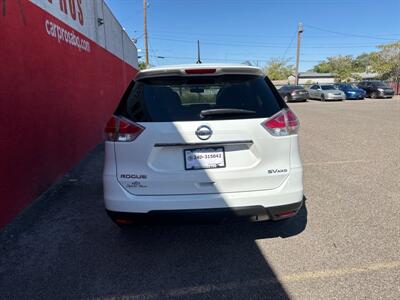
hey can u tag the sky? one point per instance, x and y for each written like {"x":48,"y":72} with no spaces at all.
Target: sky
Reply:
{"x":235,"y":31}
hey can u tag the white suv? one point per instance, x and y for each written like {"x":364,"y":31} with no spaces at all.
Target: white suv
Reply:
{"x":199,"y":140}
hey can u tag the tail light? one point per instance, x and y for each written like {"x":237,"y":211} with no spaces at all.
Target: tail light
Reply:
{"x":124,"y":221}
{"x":283,"y":123}
{"x":122,"y":130}
{"x":285,"y":214}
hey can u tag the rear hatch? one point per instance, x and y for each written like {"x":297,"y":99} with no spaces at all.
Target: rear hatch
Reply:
{"x":300,"y":92}
{"x":201,"y":134}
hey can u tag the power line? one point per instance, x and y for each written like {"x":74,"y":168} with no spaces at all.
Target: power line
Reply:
{"x":290,"y":44}
{"x":257,"y":2}
{"x":347,"y":34}
{"x":191,"y":58}
{"x":155,"y":54}
{"x":259,"y":45}
{"x":181,"y":34}
{"x":246,"y":53}
{"x":261,"y":1}
{"x":241,"y":42}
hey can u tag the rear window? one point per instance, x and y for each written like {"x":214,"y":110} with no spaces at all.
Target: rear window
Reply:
{"x":327,"y":87}
{"x":381,"y":84}
{"x":169,"y":99}
{"x":297,"y":87}
{"x":292,"y":87}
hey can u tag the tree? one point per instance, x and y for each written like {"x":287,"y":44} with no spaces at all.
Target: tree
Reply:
{"x":386,"y":62}
{"x":362,"y":63}
{"x":278,"y":69}
{"x":142,"y":65}
{"x":342,"y":66}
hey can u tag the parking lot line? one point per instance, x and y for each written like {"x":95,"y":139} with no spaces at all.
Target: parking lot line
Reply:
{"x":338,"y":162}
{"x":341,"y":271}
{"x":297,"y":277}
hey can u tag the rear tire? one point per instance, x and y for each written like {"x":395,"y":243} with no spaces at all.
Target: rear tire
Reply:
{"x":322,"y":97}
{"x":374,"y":95}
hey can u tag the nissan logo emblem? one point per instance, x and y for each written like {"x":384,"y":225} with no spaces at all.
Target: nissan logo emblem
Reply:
{"x":204,"y":132}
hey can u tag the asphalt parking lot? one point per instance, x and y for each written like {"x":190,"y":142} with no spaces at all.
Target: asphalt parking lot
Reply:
{"x":343,"y":244}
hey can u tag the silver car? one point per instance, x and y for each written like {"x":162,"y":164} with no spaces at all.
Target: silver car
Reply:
{"x":325,"y":92}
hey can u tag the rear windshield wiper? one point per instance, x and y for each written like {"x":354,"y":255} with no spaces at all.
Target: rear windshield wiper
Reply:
{"x":226,"y":111}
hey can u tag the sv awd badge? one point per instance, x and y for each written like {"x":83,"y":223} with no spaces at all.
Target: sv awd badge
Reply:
{"x":277,"y":171}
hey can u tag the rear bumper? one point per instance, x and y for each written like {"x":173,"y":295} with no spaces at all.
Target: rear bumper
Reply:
{"x":302,"y":97}
{"x":118,"y":200}
{"x":335,"y":98}
{"x":383,"y":95}
{"x":247,"y":213}
{"x":355,"y":96}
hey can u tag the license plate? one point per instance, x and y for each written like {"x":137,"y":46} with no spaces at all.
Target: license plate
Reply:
{"x":204,"y":158}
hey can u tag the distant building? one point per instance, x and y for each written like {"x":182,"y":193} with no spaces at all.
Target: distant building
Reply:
{"x":313,"y":77}
{"x":367,"y":75}
{"x":279,"y":83}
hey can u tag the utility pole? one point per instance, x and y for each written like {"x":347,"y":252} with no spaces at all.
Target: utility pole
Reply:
{"x":300,"y":30}
{"x":146,"y":44}
{"x":198,"y":53}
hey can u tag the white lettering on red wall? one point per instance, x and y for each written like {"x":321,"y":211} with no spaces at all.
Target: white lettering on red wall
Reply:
{"x":66,"y":36}
{"x":78,"y":15}
{"x":73,"y":8}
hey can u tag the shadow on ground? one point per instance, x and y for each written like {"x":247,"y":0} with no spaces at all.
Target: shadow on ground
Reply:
{"x":64,"y":246}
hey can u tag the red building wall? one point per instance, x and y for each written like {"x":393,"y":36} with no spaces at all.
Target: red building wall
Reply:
{"x":54,"y":102}
{"x":396,"y":87}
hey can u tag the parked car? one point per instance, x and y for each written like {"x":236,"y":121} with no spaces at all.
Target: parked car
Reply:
{"x":202,"y":139}
{"x":293,"y":93}
{"x":325,"y":92}
{"x":376,"y":89}
{"x":352,"y":92}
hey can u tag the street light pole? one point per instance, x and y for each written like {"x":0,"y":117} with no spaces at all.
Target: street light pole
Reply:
{"x":146,"y":45}
{"x":300,"y":30}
